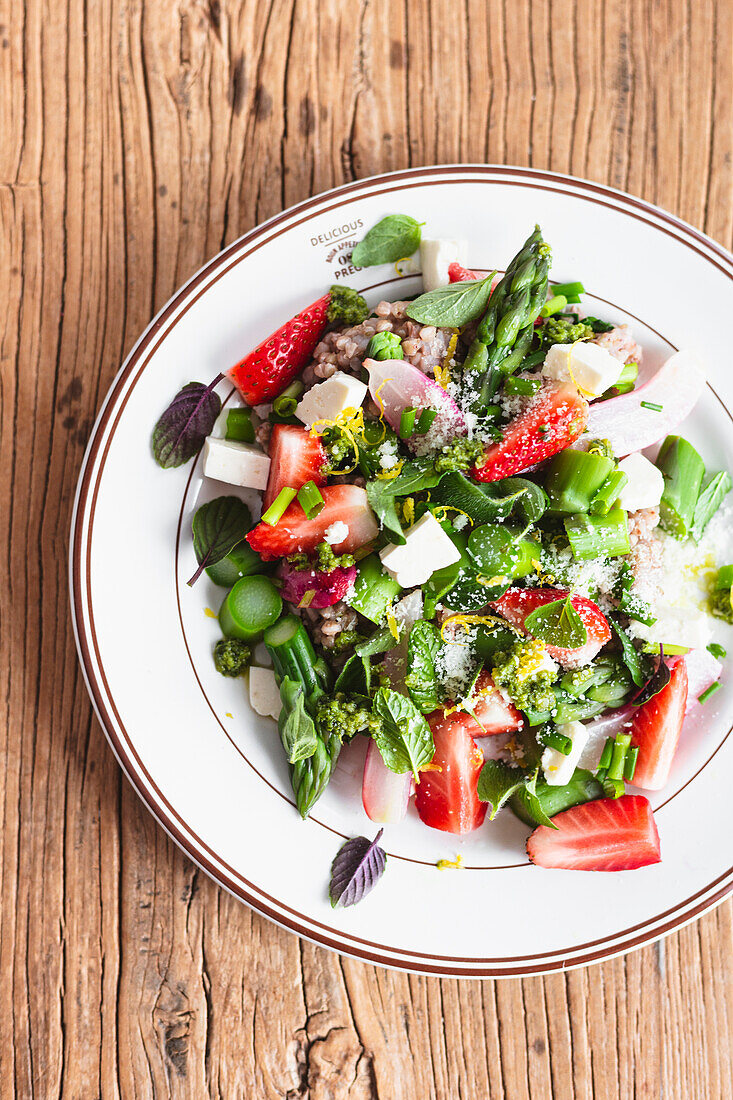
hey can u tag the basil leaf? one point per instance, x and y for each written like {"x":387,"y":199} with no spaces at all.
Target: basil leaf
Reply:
{"x":185,"y":424}
{"x":355,"y":676}
{"x":297,"y":728}
{"x":453,"y":305}
{"x":498,"y":782}
{"x":467,"y":594}
{"x":496,"y":500}
{"x":405,"y":739}
{"x":629,"y":653}
{"x":217,"y":528}
{"x":539,"y":806}
{"x":392,"y":239}
{"x":382,"y":494}
{"x":380,"y":642}
{"x":357,"y":868}
{"x":656,"y":683}
{"x":557,"y":623}
{"x":423,"y":647}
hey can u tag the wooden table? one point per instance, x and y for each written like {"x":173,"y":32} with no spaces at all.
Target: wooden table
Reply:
{"x":138,"y":138}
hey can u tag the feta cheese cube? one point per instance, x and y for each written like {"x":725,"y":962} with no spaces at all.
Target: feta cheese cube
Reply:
{"x":235,"y":463}
{"x":264,"y":694}
{"x":426,"y":548}
{"x":592,"y":368}
{"x":645,"y":485}
{"x":436,"y":257}
{"x":330,"y":398}
{"x":558,"y":769}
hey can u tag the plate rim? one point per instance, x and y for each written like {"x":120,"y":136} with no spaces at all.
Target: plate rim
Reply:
{"x":163,"y":811}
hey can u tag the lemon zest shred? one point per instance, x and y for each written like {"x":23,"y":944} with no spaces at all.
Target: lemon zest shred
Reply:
{"x":408,"y":511}
{"x":404,"y":260}
{"x":390,"y":475}
{"x":467,"y":621}
{"x":210,"y":614}
{"x":456,"y":864}
{"x":393,"y":625}
{"x":441,"y":512}
{"x":350,"y":421}
{"x":441,"y":371}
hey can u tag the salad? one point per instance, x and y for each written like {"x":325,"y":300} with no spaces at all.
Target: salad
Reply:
{"x":471,"y":511}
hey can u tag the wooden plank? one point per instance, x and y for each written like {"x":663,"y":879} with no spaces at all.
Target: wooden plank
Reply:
{"x":138,"y":139}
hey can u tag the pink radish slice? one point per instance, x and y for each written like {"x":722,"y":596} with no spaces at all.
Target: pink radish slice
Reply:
{"x":608,"y":725}
{"x":396,"y":385}
{"x":629,"y":426}
{"x":702,"y":670}
{"x":384,"y":794}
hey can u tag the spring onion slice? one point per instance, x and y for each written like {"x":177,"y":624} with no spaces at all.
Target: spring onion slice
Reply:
{"x":311,"y":499}
{"x":278,"y":506}
{"x":240,"y":428}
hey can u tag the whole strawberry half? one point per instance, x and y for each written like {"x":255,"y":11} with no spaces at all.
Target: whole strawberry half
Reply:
{"x":550,"y":422}
{"x":267,"y":370}
{"x":516,"y":604}
{"x":446,"y":797}
{"x":610,"y":834}
{"x":296,"y":457}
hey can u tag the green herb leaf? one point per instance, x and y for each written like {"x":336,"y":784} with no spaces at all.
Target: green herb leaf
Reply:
{"x":357,"y":868}
{"x":405,"y":739}
{"x":392,"y":239}
{"x":656,"y":683}
{"x":423,"y":647}
{"x":355,"y":676}
{"x":495,"y":500}
{"x":498,"y":782}
{"x":629,"y":653}
{"x":297,"y":728}
{"x":217,"y":528}
{"x":540,"y":805}
{"x":380,"y":642}
{"x":708,"y":503}
{"x":558,"y":624}
{"x":185,"y":424}
{"x":453,"y":305}
{"x":382,"y":494}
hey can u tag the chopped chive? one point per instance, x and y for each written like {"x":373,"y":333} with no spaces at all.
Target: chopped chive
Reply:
{"x":594,"y":536}
{"x":284,"y":406}
{"x":525,"y":387}
{"x":630,"y":763}
{"x":554,"y":305}
{"x":651,"y":405}
{"x":613,"y":788}
{"x":311,"y":499}
{"x":554,"y":740}
{"x":571,"y":291}
{"x":407,"y":423}
{"x":717,"y":651}
{"x":608,"y":494}
{"x":534,"y":359}
{"x":703,"y":698}
{"x":670,"y":650}
{"x":618,"y":756}
{"x":607,"y":753}
{"x":278,"y":506}
{"x":425,"y":421}
{"x":240,"y":428}
{"x":683,"y":471}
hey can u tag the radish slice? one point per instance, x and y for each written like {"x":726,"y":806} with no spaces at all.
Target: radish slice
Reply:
{"x":384,"y":794}
{"x":702,"y":670}
{"x":396,"y":385}
{"x":629,"y":427}
{"x":616,"y":721}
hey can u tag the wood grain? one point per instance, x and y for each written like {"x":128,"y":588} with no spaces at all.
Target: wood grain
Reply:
{"x":138,"y":138}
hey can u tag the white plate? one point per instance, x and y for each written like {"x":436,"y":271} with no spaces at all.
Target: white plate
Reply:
{"x":208,"y":768}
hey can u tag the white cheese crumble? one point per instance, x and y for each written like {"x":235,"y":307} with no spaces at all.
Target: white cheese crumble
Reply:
{"x":336,"y":533}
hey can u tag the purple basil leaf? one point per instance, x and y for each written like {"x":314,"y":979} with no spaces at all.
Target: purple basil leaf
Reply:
{"x":183,"y":427}
{"x":656,"y":683}
{"x":357,"y":868}
{"x":218,"y":527}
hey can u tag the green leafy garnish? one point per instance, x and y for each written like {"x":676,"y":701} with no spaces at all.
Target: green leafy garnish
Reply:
{"x":357,"y":868}
{"x":185,"y":424}
{"x":497,"y":783}
{"x":297,"y":728}
{"x":545,"y":802}
{"x":629,"y":653}
{"x":405,"y":739}
{"x":217,"y":528}
{"x":423,"y":647}
{"x":414,"y":476}
{"x":396,"y":236}
{"x":452,"y":306}
{"x":708,"y":502}
{"x":557,"y":623}
{"x":496,"y":500}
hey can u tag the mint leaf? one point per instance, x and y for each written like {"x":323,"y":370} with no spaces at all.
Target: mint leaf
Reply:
{"x":217,"y":528}
{"x":357,"y":868}
{"x":557,"y":623}
{"x":539,"y":806}
{"x":423,"y":647}
{"x":185,"y":424}
{"x":708,"y":503}
{"x":382,"y":494}
{"x":629,"y":653}
{"x":392,"y":239}
{"x":656,"y":683}
{"x":493,"y":501}
{"x":498,"y":782}
{"x":405,"y":739}
{"x":453,"y":305}
{"x":297,"y":728}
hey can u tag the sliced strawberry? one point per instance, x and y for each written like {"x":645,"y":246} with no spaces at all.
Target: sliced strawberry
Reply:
{"x":656,"y":726}
{"x":551,"y":421}
{"x":325,"y":588}
{"x":611,"y":834}
{"x":492,"y":713}
{"x":516,"y":604}
{"x":267,"y":370}
{"x":296,"y":456}
{"x":447,"y":799}
{"x":457,"y":273}
{"x":294,"y":534}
